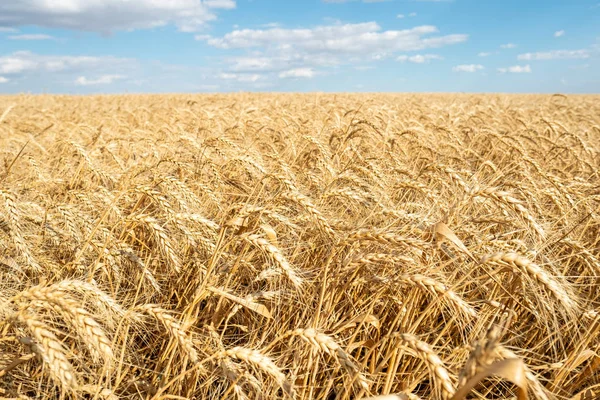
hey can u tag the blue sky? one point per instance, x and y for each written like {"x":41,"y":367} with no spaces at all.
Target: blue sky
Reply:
{"x":115,"y":46}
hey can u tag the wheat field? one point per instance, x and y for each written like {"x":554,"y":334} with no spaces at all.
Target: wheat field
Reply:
{"x":300,"y":246}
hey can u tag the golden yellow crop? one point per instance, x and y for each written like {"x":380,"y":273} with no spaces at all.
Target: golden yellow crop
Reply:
{"x":304,"y":246}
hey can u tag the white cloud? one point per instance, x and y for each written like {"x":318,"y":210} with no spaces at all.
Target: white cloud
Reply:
{"x":516,"y":69}
{"x":4,"y":29}
{"x":298,"y":73}
{"x":484,"y":54}
{"x":468,"y":68}
{"x":508,"y":46}
{"x":381,"y":56}
{"x":400,"y":16}
{"x":419,"y":59}
{"x":253,"y":64}
{"x":559,"y":33}
{"x":29,"y":68}
{"x":412,"y":14}
{"x":362,"y":38}
{"x":224,"y":4}
{"x":32,"y":72}
{"x":556,"y":55}
{"x":303,"y":52}
{"x":22,"y":62}
{"x":280,"y":62}
{"x":101,"y":80}
{"x":111,"y":15}
{"x":15,"y":64}
{"x":3,"y":79}
{"x":31,"y":37}
{"x":246,"y":78}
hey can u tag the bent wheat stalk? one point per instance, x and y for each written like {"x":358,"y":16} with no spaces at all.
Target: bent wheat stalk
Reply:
{"x":538,"y":274}
{"x":440,"y":373}
{"x":50,"y":349}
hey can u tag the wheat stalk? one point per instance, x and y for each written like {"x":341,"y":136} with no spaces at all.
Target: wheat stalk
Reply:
{"x":329,"y":346}
{"x":85,"y":326}
{"x":51,"y":351}
{"x":173,"y":327}
{"x":441,"y":376}
{"x":262,"y":362}
{"x":13,"y":224}
{"x":275,"y":254}
{"x":538,"y":274}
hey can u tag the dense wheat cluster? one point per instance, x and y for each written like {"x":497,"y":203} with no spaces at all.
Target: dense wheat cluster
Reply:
{"x":300,"y":247}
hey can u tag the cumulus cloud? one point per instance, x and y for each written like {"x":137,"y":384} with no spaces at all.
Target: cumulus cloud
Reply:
{"x":280,"y":62}
{"x":31,"y":69}
{"x":3,"y":79}
{"x":32,"y":72}
{"x":298,"y":73}
{"x":360,"y":38}
{"x":555,"y":55}
{"x":419,"y":59}
{"x":245,"y":78}
{"x":254,"y":63}
{"x":484,"y":54}
{"x":101,"y":80}
{"x":468,"y":68}
{"x":305,"y":52}
{"x":508,"y":46}
{"x":111,"y":15}
{"x":516,"y":69}
{"x":400,"y":16}
{"x":559,"y":33}
{"x":16,"y":64}
{"x":23,"y":62}
{"x":37,"y":36}
{"x":225,"y":4}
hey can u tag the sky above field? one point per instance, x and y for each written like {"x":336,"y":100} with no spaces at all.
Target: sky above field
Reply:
{"x":114,"y":46}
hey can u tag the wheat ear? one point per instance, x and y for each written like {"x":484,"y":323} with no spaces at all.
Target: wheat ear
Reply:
{"x":328,"y":345}
{"x":173,"y":327}
{"x":275,"y":254}
{"x":262,"y":362}
{"x":442,"y":378}
{"x":51,"y":351}
{"x":538,"y":274}
{"x":92,"y":333}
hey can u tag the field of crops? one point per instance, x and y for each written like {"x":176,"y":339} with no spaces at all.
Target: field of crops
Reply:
{"x":309,"y":246}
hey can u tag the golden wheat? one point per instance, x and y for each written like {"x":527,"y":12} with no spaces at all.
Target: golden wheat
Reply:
{"x":300,"y":246}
